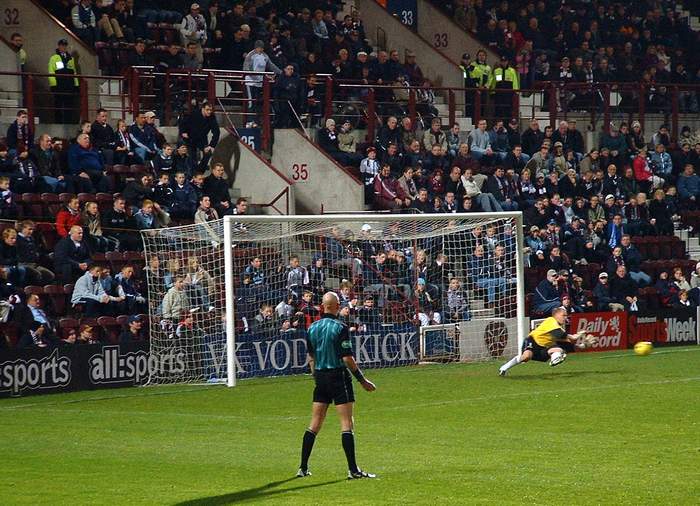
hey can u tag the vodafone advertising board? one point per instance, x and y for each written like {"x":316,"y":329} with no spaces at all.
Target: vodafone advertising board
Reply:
{"x":609,"y":328}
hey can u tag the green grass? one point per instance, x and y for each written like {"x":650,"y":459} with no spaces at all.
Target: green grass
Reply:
{"x":600,"y":429}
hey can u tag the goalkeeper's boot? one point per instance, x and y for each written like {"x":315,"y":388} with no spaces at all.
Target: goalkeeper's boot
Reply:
{"x":301,"y":473}
{"x":558,"y":359}
{"x":356,"y":475}
{"x":502,"y":371}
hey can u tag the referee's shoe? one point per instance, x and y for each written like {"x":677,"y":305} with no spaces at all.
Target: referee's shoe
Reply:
{"x":356,"y":475}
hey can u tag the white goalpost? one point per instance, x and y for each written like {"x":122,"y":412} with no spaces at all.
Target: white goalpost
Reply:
{"x":233,"y":298}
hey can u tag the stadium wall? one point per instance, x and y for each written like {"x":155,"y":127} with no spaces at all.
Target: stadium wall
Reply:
{"x":10,"y":86}
{"x":320,"y":184}
{"x":254,"y":177}
{"x":442,"y":70}
{"x":446,"y":36}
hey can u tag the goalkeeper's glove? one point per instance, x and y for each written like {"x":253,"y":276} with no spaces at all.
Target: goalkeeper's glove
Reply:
{"x":586,"y":341}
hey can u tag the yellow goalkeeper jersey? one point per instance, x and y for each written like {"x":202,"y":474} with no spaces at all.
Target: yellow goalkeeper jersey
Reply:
{"x":548,"y":332}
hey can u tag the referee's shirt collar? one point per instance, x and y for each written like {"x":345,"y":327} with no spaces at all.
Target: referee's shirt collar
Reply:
{"x":329,"y":315}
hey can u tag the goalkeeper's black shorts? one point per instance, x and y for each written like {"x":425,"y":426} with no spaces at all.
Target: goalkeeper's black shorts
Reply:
{"x":539,"y":353}
{"x":333,"y":386}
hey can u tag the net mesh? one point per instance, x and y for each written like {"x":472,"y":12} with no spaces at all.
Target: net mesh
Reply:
{"x":455,"y":277}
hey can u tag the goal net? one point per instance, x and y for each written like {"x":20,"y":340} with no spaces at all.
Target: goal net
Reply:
{"x":234,"y":298}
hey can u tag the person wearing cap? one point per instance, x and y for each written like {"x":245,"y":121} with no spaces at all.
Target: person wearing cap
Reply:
{"x":601,"y":292}
{"x":63,"y":84}
{"x":257,"y":61}
{"x":193,"y":28}
{"x":504,"y":77}
{"x":133,"y":331}
{"x":546,"y":296}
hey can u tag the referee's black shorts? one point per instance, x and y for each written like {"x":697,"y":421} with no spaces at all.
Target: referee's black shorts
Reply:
{"x":333,"y":386}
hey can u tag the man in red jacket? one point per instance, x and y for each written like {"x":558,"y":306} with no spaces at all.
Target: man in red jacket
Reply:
{"x":386,"y":191}
{"x":643,"y":173}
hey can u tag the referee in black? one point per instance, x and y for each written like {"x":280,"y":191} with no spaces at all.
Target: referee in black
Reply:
{"x":330,"y":357}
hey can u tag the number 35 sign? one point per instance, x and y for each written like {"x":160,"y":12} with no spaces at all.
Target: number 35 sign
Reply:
{"x":300,"y":171}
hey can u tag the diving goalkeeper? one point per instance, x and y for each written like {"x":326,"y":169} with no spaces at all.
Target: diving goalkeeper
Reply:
{"x":546,"y":342}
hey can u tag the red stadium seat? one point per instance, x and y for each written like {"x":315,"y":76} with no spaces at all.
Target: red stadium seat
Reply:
{"x":65,"y":325}
{"x":57,"y":298}
{"x":51,"y":204}
{"x":110,"y":329}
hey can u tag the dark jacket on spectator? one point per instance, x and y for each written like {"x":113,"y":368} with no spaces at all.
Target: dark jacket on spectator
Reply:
{"x":545,"y":293}
{"x":27,"y":249}
{"x":65,"y":252}
{"x":216,"y":189}
{"x":197,"y":127}
{"x":102,"y":136}
{"x":80,"y":159}
{"x":622,"y":287}
{"x":602,"y":294}
{"x":135,"y":193}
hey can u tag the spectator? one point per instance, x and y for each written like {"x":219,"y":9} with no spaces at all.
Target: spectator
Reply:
{"x":407,"y":187}
{"x":193,"y":30}
{"x":137,"y":191}
{"x":426,"y":304}
{"x":47,"y":162}
{"x":89,"y":293}
{"x":480,"y":144}
{"x":662,"y":165}
{"x":497,"y":186}
{"x":142,"y":140}
{"x":138,"y":57}
{"x":389,"y":134}
{"x":633,"y":260}
{"x":485,"y":201}
{"x":216,"y":187}
{"x":124,"y":149}
{"x":195,"y":131}
{"x":347,"y":144}
{"x":547,"y":294}
{"x":257,"y":61}
{"x":133,"y":331}
{"x":386,"y":192}
{"x":617,"y":145}
{"x":483,"y":274}
{"x":660,"y":214}
{"x":35,"y":326}
{"x":68,"y":217}
{"x":689,"y":187}
{"x":133,"y":301}
{"x":20,"y":136}
{"x":92,"y":225}
{"x":163,"y":162}
{"x":117,"y":223}
{"x":71,"y":256}
{"x":289,"y":92}
{"x":151,"y":216}
{"x":184,"y":198}
{"x":84,"y":22}
{"x":532,"y":138}
{"x":29,"y":255}
{"x":435,"y":135}
{"x":63,"y":84}
{"x":498,"y":138}
{"x":624,"y":291}
{"x":661,"y":137}
{"x":614,"y":231}
{"x":102,"y":137}
{"x":175,"y":300}
{"x":205,"y":212}
{"x":9,"y":259}
{"x":457,"y":302}
{"x":86,"y":162}
{"x":601,"y":292}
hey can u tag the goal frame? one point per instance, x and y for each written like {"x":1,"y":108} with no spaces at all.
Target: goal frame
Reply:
{"x":233,"y":220}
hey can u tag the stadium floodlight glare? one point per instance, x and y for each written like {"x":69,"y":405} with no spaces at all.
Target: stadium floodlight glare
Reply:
{"x":412,"y":288}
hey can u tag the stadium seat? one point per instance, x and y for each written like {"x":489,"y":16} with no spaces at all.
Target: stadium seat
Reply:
{"x":11,"y":333}
{"x":65,"y":325}
{"x":47,"y":236}
{"x":84,"y":198}
{"x":105,"y":201}
{"x":110,"y":329}
{"x":57,"y":299}
{"x":51,"y":204}
{"x":116,"y":260}
{"x":123,"y":319}
{"x":33,"y":290}
{"x":31,"y":205}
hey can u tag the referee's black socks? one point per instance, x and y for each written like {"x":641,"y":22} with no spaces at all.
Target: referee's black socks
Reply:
{"x":348,"y":439}
{"x":306,"y":446}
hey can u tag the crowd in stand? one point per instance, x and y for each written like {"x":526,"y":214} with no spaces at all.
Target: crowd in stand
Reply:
{"x":76,"y":185}
{"x":588,"y":42}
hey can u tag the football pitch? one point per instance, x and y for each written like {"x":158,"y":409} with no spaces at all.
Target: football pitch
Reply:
{"x":603,"y":428}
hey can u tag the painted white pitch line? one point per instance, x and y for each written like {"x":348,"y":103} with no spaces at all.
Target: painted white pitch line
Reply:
{"x":655,"y":352}
{"x":393,"y":408}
